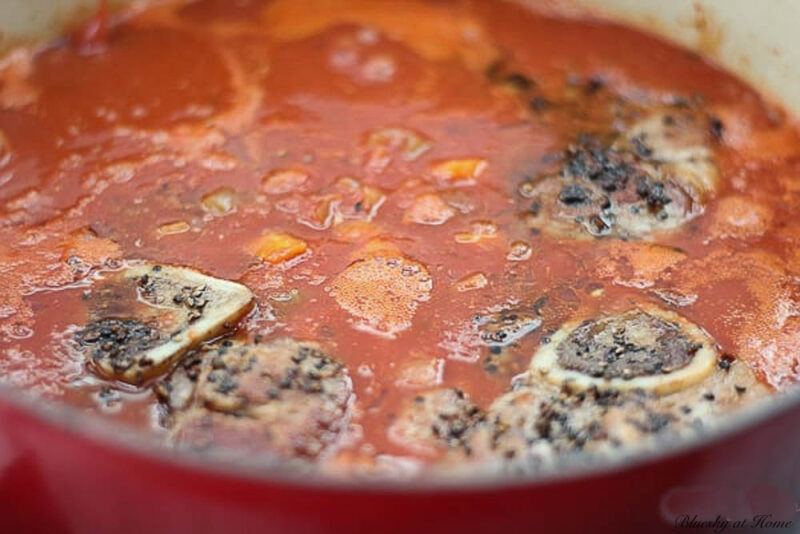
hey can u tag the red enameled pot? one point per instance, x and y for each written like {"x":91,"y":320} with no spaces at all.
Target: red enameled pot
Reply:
{"x":62,"y":471}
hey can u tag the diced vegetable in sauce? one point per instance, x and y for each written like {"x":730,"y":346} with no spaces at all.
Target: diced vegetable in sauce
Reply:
{"x":459,"y":170}
{"x":278,"y":247}
{"x":177,"y":227}
{"x":472,"y":282}
{"x":429,"y":209}
{"x":284,"y":181}
{"x":220,"y":202}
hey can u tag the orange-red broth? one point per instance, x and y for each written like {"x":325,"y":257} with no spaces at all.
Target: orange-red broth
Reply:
{"x":110,"y":152}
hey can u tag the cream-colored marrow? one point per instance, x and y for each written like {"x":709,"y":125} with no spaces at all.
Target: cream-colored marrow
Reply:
{"x":653,"y":350}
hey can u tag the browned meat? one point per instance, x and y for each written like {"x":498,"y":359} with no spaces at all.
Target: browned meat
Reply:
{"x":281,"y":397}
{"x":626,"y":346}
{"x":543,"y":422}
{"x":654,"y":177}
{"x":435,"y":422}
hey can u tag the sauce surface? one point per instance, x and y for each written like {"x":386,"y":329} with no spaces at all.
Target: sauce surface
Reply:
{"x":293,"y":146}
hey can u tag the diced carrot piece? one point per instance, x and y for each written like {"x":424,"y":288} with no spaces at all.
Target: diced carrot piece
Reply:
{"x":457,"y":170}
{"x":278,"y":247}
{"x":321,"y":214}
{"x":220,"y":201}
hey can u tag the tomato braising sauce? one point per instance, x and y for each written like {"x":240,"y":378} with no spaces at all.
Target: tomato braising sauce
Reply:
{"x":423,"y":198}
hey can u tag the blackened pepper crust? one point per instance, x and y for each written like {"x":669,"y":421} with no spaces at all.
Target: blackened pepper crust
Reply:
{"x":626,"y":346}
{"x":281,"y":397}
{"x":540,"y":425}
{"x":498,"y":329}
{"x":437,"y":419}
{"x":118,"y":342}
{"x":653,"y":175}
{"x":231,"y":384}
{"x":592,"y":161}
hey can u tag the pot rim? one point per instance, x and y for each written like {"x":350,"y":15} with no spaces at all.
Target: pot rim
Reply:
{"x":274,"y":470}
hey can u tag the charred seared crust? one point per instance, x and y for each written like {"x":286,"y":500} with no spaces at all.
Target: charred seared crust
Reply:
{"x":590,"y":160}
{"x":539,"y":425}
{"x":611,"y":385}
{"x":633,"y":344}
{"x":118,"y":342}
{"x":505,"y":327}
{"x":653,"y":176}
{"x":441,"y":419}
{"x":452,"y":426}
{"x":307,"y":370}
{"x":646,"y":348}
{"x":280,"y":397}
